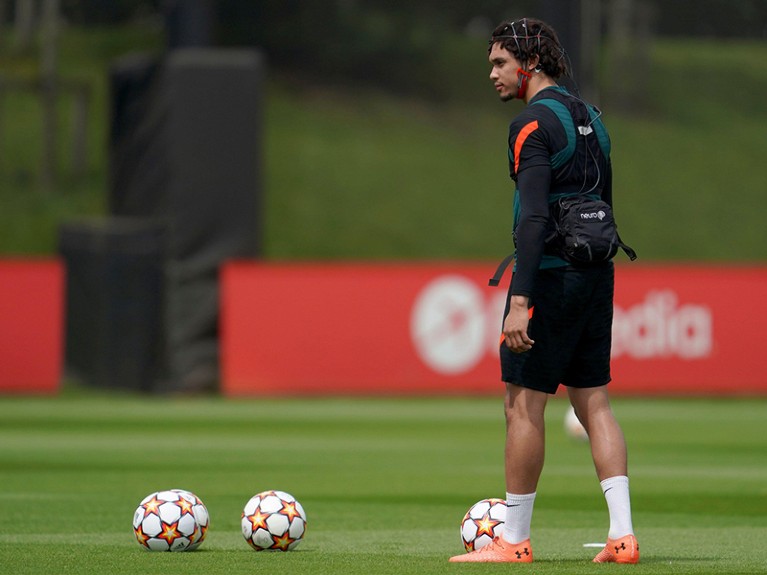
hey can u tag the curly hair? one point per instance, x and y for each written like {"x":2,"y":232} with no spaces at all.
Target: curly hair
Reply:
{"x":530,"y":37}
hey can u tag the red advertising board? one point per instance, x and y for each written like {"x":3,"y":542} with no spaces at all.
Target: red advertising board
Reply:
{"x":31,"y":325}
{"x":434,"y":328}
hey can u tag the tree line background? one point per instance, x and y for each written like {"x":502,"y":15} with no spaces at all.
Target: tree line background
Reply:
{"x":337,"y":70}
{"x":399,"y":42}
{"x":722,"y":18}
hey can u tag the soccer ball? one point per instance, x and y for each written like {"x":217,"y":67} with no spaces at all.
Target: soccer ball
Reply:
{"x":273,"y":520}
{"x":573,"y":427}
{"x":172,"y":520}
{"x":482,"y":523}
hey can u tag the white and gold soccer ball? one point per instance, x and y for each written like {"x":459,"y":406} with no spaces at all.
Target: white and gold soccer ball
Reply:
{"x":482,"y":523}
{"x":171,"y":520}
{"x":273,"y":520}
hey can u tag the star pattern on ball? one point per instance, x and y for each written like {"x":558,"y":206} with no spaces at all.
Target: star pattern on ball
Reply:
{"x":141,"y":536}
{"x":289,"y":510}
{"x":152,"y":506}
{"x":258,"y":520}
{"x":200,"y":532}
{"x":486,"y":525}
{"x":185,"y":506}
{"x":169,"y":532}
{"x":282,"y":542}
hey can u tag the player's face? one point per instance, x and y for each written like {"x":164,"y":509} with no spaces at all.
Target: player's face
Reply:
{"x":504,"y":72}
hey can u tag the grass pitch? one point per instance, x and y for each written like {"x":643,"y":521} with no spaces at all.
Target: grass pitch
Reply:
{"x":385,"y":483}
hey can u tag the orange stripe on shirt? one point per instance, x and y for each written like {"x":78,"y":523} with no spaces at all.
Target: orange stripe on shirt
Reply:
{"x":521,"y":137}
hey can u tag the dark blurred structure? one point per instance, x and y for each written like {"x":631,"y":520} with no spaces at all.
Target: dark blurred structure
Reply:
{"x":188,"y":23}
{"x":185,"y":150}
{"x":114,"y":301}
{"x":185,"y":188}
{"x":565,"y":18}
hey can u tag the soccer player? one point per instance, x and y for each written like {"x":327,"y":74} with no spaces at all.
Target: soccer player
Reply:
{"x":557,"y":325}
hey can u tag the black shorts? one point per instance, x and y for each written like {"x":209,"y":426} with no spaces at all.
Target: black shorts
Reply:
{"x":572,"y":328}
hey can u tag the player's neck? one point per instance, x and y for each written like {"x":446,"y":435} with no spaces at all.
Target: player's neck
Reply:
{"x":538,"y":83}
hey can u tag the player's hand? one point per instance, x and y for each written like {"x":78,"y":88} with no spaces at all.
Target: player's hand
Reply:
{"x":515,"y":326}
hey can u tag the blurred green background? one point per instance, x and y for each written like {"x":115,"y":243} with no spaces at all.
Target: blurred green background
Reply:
{"x":385,"y":140}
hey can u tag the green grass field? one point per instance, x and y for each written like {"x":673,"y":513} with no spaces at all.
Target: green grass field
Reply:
{"x":385,"y":483}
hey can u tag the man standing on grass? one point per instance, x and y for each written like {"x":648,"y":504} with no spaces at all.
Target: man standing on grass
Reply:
{"x":557,"y":326}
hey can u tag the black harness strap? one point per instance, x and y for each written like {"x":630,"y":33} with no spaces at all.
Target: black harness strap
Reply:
{"x":628,"y":250}
{"x":496,"y":279}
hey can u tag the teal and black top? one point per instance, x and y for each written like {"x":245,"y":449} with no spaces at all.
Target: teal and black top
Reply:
{"x":558,"y":146}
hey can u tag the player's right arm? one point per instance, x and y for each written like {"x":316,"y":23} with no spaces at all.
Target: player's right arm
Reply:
{"x":515,"y":325}
{"x":531,"y":168}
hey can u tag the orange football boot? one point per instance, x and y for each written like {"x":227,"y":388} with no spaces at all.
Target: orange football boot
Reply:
{"x":498,"y":551}
{"x":623,"y":550}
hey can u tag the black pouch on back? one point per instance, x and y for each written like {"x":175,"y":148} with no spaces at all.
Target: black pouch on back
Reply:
{"x":585,"y":231}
